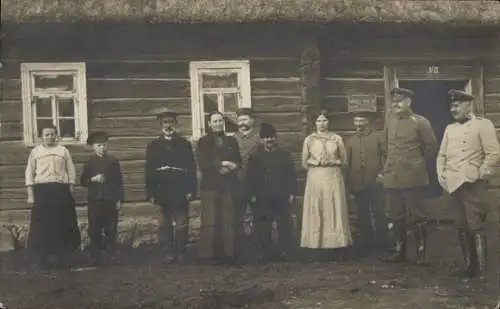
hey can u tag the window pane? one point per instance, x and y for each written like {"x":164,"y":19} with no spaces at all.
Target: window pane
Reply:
{"x":62,"y":82}
{"x":230,"y":109}
{"x":43,"y":107}
{"x":66,"y":107}
{"x":43,"y":123}
{"x":219,"y":80}
{"x":67,"y":128}
{"x":209,"y":105}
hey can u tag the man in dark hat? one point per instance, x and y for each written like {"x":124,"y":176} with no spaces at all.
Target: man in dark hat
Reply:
{"x":467,"y":158}
{"x":103,"y":177}
{"x":365,"y":155}
{"x":219,"y":160}
{"x":271,"y":181}
{"x":170,"y":175}
{"x":248,"y":141}
{"x":411,"y":142}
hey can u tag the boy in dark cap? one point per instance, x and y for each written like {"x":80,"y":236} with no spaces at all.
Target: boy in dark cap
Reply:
{"x":271,"y":181}
{"x":103,"y":177}
{"x":467,"y":158}
{"x":170,"y":175}
{"x":365,"y":155}
{"x":411,"y":143}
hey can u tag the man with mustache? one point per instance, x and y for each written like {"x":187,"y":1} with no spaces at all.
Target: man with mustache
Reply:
{"x":248,"y":141}
{"x":411,"y":142}
{"x":467,"y":158}
{"x":170,"y":175}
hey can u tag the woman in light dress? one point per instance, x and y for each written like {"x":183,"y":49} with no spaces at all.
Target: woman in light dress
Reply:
{"x":325,"y":219}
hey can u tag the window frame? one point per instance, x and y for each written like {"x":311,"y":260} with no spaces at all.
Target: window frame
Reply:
{"x":196,"y":68}
{"x":28,"y":70}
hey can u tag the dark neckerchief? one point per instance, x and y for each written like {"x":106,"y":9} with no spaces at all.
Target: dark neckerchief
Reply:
{"x":464,"y":120}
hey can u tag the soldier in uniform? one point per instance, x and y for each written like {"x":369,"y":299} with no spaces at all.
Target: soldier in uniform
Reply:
{"x":170,"y":175}
{"x":467,"y":158}
{"x":365,"y":158}
{"x":248,"y":141}
{"x":410,"y":143}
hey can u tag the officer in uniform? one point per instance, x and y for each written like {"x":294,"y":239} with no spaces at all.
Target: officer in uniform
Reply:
{"x":410,"y":143}
{"x":467,"y":158}
{"x":170,"y":175}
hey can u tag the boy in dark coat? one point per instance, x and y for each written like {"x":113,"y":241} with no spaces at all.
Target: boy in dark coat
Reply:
{"x":103,"y":177}
{"x":365,"y":155}
{"x":271,"y":181}
{"x":171,"y":182}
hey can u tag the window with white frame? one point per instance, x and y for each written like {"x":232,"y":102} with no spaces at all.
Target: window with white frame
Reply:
{"x":218,"y":85}
{"x":54,"y":94}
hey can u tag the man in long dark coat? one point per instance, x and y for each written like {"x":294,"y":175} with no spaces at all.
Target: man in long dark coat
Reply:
{"x":219,"y":161}
{"x":468,"y":157}
{"x":411,"y":143}
{"x":170,"y":175}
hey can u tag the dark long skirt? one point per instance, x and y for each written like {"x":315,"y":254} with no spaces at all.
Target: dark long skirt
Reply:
{"x":54,"y":227}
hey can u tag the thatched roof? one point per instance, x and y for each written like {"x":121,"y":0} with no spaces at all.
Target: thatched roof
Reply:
{"x":392,"y":11}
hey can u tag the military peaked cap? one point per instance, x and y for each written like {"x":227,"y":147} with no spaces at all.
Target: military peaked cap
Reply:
{"x":97,"y":137}
{"x":364,"y":114}
{"x":402,"y":93}
{"x":245,"y":111}
{"x":459,"y":96}
{"x":164,"y":112}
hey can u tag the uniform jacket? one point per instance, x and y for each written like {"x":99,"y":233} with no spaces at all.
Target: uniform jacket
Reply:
{"x":112,"y":188}
{"x":210,"y":156}
{"x":468,"y":152}
{"x":271,"y":174}
{"x":365,"y":159}
{"x":170,"y":184}
{"x":411,"y":143}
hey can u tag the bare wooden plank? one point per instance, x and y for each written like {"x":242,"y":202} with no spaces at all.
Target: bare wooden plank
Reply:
{"x":352,"y":86}
{"x":351,"y":68}
{"x":276,"y":103}
{"x":10,"y":89}
{"x":10,"y":110}
{"x":440,"y":70}
{"x":135,"y":126}
{"x":491,"y":103}
{"x":137,"y":88}
{"x":288,"y":86}
{"x":11,"y":130}
{"x":491,"y":86}
{"x":121,"y":107}
{"x":335,"y":104}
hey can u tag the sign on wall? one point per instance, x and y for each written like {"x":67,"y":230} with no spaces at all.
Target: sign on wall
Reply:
{"x":362,"y":103}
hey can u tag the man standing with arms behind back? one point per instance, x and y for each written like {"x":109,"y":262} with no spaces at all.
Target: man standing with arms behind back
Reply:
{"x":410,"y":144}
{"x":467,"y":158}
{"x":248,"y":142}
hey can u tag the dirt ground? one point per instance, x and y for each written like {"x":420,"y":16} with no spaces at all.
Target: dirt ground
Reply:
{"x":140,"y":280}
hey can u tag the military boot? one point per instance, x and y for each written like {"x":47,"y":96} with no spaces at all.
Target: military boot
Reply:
{"x":398,"y":230}
{"x":468,"y":249}
{"x":420,"y":232}
{"x":181,"y":239}
{"x":482,"y":256}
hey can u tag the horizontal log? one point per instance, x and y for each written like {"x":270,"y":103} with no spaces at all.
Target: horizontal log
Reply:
{"x":335,"y":104}
{"x":137,"y":88}
{"x":11,"y":111}
{"x":351,"y":68}
{"x":491,"y":103}
{"x":343,"y":121}
{"x":11,"y":130}
{"x":445,"y":71}
{"x":136,"y":107}
{"x":289,"y":87}
{"x":491,"y":86}
{"x":352,"y":86}
{"x":10,"y":89}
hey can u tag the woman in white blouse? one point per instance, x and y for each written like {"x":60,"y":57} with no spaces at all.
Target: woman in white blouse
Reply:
{"x":325,"y":221}
{"x":50,"y":178}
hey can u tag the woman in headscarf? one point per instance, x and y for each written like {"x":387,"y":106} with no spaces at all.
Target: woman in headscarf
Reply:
{"x":50,"y":178}
{"x":325,"y":221}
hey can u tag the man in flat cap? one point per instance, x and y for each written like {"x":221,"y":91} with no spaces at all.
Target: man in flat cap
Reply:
{"x":271,"y":180}
{"x":170,"y":176}
{"x":103,"y":177}
{"x":411,"y":143}
{"x":365,"y":155}
{"x":248,"y":141}
{"x":467,"y":158}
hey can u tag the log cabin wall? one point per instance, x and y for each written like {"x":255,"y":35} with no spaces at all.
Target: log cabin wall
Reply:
{"x":362,"y":60}
{"x":131,"y":69}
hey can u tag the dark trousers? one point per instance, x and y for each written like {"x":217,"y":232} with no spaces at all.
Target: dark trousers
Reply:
{"x":405,"y":205}
{"x":174,"y":238}
{"x":103,"y":219}
{"x":471,"y":206}
{"x":266,"y":211}
{"x":218,"y":223}
{"x":371,"y":220}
